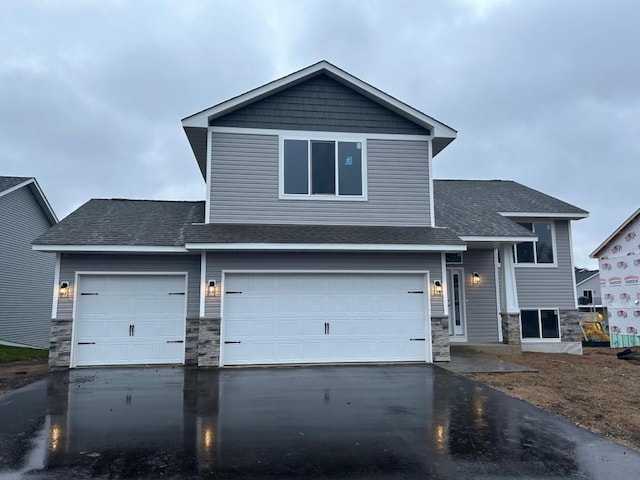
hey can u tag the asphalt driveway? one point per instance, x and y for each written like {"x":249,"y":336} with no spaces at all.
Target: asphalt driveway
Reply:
{"x":403,"y":421}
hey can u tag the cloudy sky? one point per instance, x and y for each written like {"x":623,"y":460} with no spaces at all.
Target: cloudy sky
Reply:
{"x":546,"y":92}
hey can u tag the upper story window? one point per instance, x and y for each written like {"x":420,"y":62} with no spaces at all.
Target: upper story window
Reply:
{"x":326,"y":169}
{"x":536,"y":252}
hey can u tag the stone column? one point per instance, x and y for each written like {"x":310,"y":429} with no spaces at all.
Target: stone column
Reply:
{"x":511,"y":328}
{"x":192,"y":335}
{"x":209,"y":342}
{"x":60,"y":344}
{"x":440,"y":338}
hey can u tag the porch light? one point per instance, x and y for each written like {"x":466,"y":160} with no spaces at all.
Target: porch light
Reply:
{"x":211,"y":287}
{"x":437,"y":287}
{"x":64,"y":289}
{"x":475,"y":278}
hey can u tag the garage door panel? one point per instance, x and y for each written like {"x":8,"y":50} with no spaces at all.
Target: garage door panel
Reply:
{"x":154,"y":305}
{"x":315,"y":318}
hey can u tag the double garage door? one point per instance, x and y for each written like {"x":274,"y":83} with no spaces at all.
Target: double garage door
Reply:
{"x":267,"y":318}
{"x":279,"y":318}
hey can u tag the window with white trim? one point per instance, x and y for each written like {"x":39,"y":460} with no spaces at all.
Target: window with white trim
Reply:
{"x":540,"y":324}
{"x":536,"y":252}
{"x":323,"y":168}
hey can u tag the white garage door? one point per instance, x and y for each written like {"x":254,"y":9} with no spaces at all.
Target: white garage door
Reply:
{"x":129,"y":319}
{"x":314,"y":318}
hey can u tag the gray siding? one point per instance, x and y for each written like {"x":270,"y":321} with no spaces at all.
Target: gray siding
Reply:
{"x":244,"y":185}
{"x":71,"y":263}
{"x":591,"y":284}
{"x":321,"y":104}
{"x":216,"y":262}
{"x":26,"y":276}
{"x":549,"y":287}
{"x":482,"y":308}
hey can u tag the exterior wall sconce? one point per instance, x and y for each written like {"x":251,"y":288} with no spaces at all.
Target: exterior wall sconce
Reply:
{"x":475,"y":278}
{"x":64,"y":289}
{"x":211,"y":288}
{"x":437,"y":287}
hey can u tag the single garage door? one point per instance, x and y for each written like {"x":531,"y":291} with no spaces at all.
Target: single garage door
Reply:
{"x":278,"y":318}
{"x":129,"y":320}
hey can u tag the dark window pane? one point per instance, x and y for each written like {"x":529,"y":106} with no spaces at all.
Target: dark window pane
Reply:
{"x":550,"y":327}
{"x":296,"y":166}
{"x":525,"y":252}
{"x":323,"y":167}
{"x":530,"y":325}
{"x":350,"y":168}
{"x":453,"y":257}
{"x":544,"y":245}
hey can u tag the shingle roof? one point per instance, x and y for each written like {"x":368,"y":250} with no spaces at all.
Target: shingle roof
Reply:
{"x":320,"y":234}
{"x":125,"y":222}
{"x":583,"y":274}
{"x":7,"y":182}
{"x":471,"y":207}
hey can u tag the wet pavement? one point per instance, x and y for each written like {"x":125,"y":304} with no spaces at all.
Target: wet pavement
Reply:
{"x":401,"y":421}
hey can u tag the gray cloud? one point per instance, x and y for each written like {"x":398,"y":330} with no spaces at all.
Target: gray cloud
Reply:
{"x":544,"y":93}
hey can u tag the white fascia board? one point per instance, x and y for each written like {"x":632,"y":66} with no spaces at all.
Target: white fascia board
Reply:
{"x":319,"y":134}
{"x":109,"y":248}
{"x":42,"y":200}
{"x":325,"y":246}
{"x":569,"y":216}
{"x":498,"y":239}
{"x":201,"y":119}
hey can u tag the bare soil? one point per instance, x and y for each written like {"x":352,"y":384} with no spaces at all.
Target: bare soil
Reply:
{"x":18,"y":374}
{"x":596,"y":391}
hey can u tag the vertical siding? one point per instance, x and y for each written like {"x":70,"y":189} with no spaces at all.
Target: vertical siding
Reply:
{"x":482,"y":309}
{"x":71,"y":263}
{"x":322,"y":104}
{"x":26,"y":276}
{"x":216,"y":262}
{"x":549,"y":287}
{"x":244,"y":185}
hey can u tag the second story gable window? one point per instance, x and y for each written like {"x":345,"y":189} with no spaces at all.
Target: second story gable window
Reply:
{"x":322,"y":169}
{"x":540,"y":251}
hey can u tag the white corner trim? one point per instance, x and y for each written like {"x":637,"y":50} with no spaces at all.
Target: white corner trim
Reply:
{"x":207,"y":202}
{"x":56,"y":290}
{"x":573,"y":268}
{"x":201,"y":119}
{"x":571,"y":216}
{"x":432,"y":207}
{"x":109,"y":248}
{"x":203,"y":282}
{"x":326,"y":246}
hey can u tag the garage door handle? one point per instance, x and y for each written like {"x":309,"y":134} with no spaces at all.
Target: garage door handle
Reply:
{"x":176,"y":293}
{"x":417,"y":339}
{"x":232,"y":342}
{"x":86,"y":343}
{"x":132,"y":332}
{"x":415,"y":291}
{"x":175,"y":341}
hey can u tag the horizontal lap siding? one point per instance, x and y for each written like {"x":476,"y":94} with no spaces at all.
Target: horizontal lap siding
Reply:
{"x":549,"y":287}
{"x":245,"y":188}
{"x":26,"y":276}
{"x":70,"y":264}
{"x":216,"y":262}
{"x":321,"y":104}
{"x":482,"y":308}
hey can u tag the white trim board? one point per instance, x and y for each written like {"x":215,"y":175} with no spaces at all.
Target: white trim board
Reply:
{"x":571,"y":216}
{"x":110,"y":248}
{"x":318,"y":133}
{"x":326,"y":246}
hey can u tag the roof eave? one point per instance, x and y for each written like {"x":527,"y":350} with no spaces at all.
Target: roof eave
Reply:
{"x":565,"y":216}
{"x":624,"y":225}
{"x":40,"y":198}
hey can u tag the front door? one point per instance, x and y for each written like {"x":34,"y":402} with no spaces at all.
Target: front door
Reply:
{"x":456,"y":299}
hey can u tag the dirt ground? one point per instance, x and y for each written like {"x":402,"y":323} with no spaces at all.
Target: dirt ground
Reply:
{"x":596,"y":391}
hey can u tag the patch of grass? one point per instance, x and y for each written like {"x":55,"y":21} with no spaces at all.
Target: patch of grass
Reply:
{"x":14,"y":354}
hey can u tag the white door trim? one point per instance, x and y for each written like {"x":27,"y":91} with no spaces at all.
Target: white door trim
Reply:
{"x":427,"y":297}
{"x":75,"y":290}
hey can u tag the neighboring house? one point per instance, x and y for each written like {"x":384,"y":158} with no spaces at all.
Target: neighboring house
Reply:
{"x":25,"y":276}
{"x":619,"y":260}
{"x":588,"y":288}
{"x":323,"y":238}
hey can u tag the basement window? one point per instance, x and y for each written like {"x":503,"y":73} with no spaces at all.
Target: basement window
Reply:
{"x":540,"y":324}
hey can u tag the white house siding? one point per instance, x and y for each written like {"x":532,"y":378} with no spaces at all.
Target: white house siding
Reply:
{"x":217,"y":262}
{"x":72,"y":263}
{"x":245,"y":188}
{"x":549,"y":287}
{"x":481,"y":305}
{"x":26,"y":276}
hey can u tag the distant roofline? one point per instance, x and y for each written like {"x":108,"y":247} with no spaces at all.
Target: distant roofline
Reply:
{"x":624,"y":225}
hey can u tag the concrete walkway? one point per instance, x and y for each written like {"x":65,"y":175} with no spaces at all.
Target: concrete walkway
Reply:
{"x":476,"y":362}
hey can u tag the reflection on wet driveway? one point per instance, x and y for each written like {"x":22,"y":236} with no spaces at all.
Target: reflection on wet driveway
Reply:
{"x":401,"y":421}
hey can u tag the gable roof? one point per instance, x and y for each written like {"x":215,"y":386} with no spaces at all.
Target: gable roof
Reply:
{"x":196,"y":125}
{"x":11,"y":184}
{"x":624,"y":225}
{"x":484,"y":208}
{"x":120,"y":222}
{"x":582,"y":275}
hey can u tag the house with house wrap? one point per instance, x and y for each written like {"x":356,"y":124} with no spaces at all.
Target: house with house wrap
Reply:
{"x":323,"y":238}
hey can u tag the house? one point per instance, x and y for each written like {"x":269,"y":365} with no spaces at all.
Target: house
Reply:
{"x":588,"y":288}
{"x":619,"y":260}
{"x":25,"y":276}
{"x":323,"y":238}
